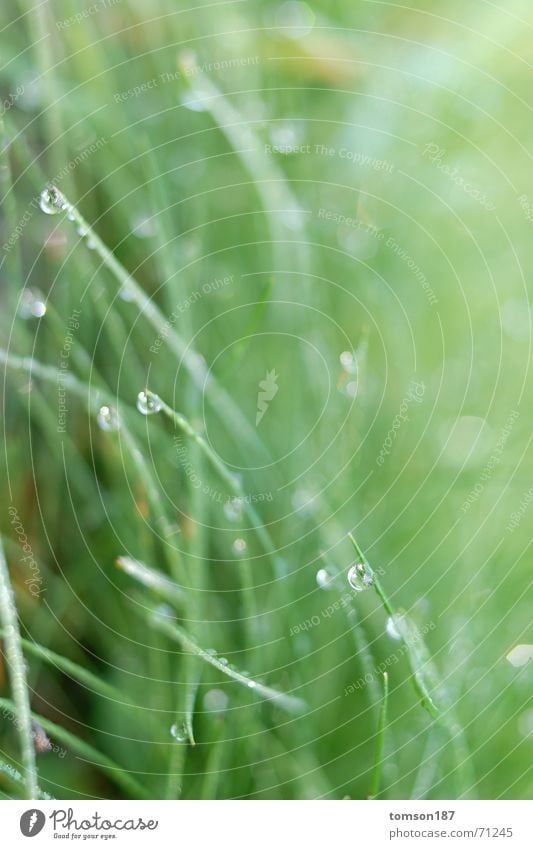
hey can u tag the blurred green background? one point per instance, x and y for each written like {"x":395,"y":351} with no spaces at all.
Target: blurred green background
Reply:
{"x":336,"y":193}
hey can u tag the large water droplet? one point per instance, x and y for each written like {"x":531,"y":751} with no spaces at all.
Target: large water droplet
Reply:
{"x":52,"y":201}
{"x":239,"y":546}
{"x":108,"y":418}
{"x":233,"y":509}
{"x":324,"y":579}
{"x":31,"y":304}
{"x":148,"y":403}
{"x":179,"y":732}
{"x":359,"y":578}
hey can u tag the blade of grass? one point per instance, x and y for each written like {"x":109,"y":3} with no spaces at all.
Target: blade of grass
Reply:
{"x":17,"y":779}
{"x":17,"y":675}
{"x":424,"y":677}
{"x":292,"y":704}
{"x":380,"y":740}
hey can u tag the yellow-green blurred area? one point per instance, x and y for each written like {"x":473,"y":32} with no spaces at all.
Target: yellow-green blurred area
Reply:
{"x":332,"y":206}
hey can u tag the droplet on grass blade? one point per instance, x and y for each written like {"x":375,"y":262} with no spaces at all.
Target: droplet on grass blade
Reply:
{"x":108,"y":419}
{"x":51,"y":201}
{"x":179,"y":732}
{"x":359,"y":578}
{"x":391,"y":628}
{"x":348,"y":362}
{"x":148,"y":403}
{"x":239,"y":546}
{"x":233,"y":509}
{"x":520,"y":655}
{"x":215,"y":701}
{"x":32,"y":304}
{"x":324,"y":579}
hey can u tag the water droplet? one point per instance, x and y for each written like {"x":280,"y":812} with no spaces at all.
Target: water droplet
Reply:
{"x":359,"y":578}
{"x":179,"y":732}
{"x":391,"y":628}
{"x":351,"y":389}
{"x":216,"y":701}
{"x":164,"y":611}
{"x":224,"y":661}
{"x":125,"y":293}
{"x":31,"y":304}
{"x":143,"y":226}
{"x":211,"y":652}
{"x":108,"y":418}
{"x":91,"y":244}
{"x":148,"y":403}
{"x":520,"y":655}
{"x":71,"y":216}
{"x":324,"y":579}
{"x":348,"y":362}
{"x":252,"y":685}
{"x":284,"y":138}
{"x":295,"y":19}
{"x":233,"y":509}
{"x":52,"y":201}
{"x":239,"y":546}
{"x":81,"y":231}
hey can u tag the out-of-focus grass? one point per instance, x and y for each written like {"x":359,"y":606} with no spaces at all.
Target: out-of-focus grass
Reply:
{"x":398,"y":228}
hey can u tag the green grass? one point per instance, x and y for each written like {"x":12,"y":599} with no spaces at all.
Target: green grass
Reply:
{"x":196,"y":261}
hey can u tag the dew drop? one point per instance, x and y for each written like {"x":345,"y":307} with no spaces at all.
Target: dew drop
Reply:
{"x":211,"y":652}
{"x":31,"y":304}
{"x":359,"y":578}
{"x":108,"y":419}
{"x":348,"y":362}
{"x":392,"y":629}
{"x":125,"y":293}
{"x":81,"y":231}
{"x":239,"y":546}
{"x":520,"y":655}
{"x":252,"y":685}
{"x":179,"y":732}
{"x":224,"y":661}
{"x":51,"y":201}
{"x":91,"y":244}
{"x":324,"y":579}
{"x":215,"y":701}
{"x":233,"y":509}
{"x":148,"y":403}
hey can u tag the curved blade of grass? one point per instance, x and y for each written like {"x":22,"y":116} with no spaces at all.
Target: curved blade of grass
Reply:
{"x":72,"y":669}
{"x":151,"y":578}
{"x":380,"y":740}
{"x":425,"y":678}
{"x":17,"y":675}
{"x":292,"y":704}
{"x":86,"y":752}
{"x":193,"y":363}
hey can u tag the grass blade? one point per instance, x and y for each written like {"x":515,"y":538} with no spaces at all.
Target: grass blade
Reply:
{"x":17,"y":674}
{"x":380,"y":740}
